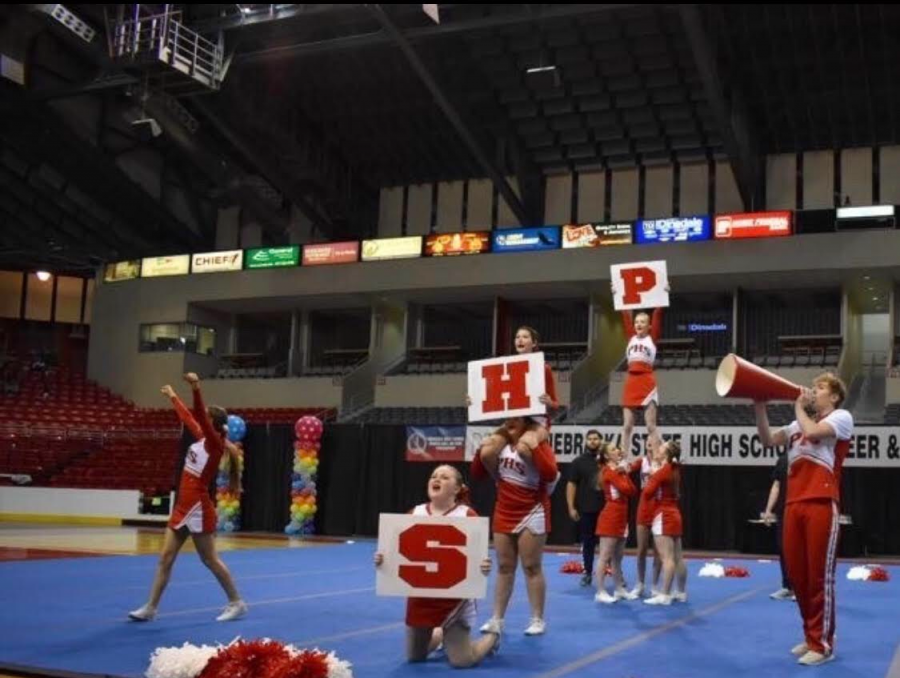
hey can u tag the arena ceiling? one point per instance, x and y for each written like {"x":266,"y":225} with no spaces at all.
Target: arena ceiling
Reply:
{"x":322,"y":105}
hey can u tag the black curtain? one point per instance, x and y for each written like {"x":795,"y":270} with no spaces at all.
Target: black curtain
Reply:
{"x":363,"y":472}
{"x":268,"y":464}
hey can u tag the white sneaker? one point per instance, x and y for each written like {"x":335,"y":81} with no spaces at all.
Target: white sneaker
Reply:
{"x":493,"y":625}
{"x":659,"y":599}
{"x":638,"y":591}
{"x":782,"y":594}
{"x":813,"y":658}
{"x":233,"y":611}
{"x":144,"y":613}
{"x":655,"y":592}
{"x":800,"y":649}
{"x":679,"y":596}
{"x":605,"y":598}
{"x":536,"y":627}
{"x":625,"y":594}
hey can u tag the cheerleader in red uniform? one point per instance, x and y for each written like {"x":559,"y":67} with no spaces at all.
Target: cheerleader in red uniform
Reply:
{"x":194,"y":513}
{"x":640,"y":383}
{"x":525,"y":481}
{"x":612,"y":523}
{"x":537,"y":428}
{"x":664,"y":487}
{"x":817,"y":447}
{"x":644,"y":521}
{"x":433,"y":621}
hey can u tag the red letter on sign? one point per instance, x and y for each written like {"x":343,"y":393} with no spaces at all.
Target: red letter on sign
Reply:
{"x":451,"y":562}
{"x":637,"y":281}
{"x":512,"y":383}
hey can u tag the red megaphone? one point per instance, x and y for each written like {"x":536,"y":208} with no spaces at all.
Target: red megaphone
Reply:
{"x":738,"y":378}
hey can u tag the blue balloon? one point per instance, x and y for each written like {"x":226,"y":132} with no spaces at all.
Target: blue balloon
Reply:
{"x":237,"y":429}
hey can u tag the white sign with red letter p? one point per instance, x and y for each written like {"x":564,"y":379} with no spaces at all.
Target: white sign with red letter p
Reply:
{"x":507,"y":387}
{"x":431,"y":556}
{"x":642,"y":284}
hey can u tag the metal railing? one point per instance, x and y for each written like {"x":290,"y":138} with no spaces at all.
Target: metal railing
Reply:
{"x":165,"y":38}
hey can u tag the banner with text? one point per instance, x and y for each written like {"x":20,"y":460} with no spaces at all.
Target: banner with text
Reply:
{"x":871,"y":447}
{"x":435,"y":443}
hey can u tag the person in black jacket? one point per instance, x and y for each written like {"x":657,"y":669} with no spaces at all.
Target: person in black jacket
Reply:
{"x":585,"y":499}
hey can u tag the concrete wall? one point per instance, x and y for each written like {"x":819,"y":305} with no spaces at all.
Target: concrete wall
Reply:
{"x":61,"y":504}
{"x":893,"y":389}
{"x":120,"y":308}
{"x":296,"y":392}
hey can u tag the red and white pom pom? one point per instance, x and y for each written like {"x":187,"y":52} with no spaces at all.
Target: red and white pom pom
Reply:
{"x":259,"y":659}
{"x":186,"y":661}
{"x":739,"y":572}
{"x":715,"y":570}
{"x":868,"y":573}
{"x":572,"y":567}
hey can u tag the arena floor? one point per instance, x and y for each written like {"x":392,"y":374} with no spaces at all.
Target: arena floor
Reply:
{"x":65,"y":593}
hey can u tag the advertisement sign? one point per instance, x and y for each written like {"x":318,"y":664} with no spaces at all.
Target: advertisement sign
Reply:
{"x":674,"y":229}
{"x":122,"y":270}
{"x":596,"y":235}
{"x":331,"y":253}
{"x":753,"y":225}
{"x":155,"y":267}
{"x":455,"y":244}
{"x":216,"y":262}
{"x":272,"y":257}
{"x":409,"y":247}
{"x":435,"y":443}
{"x":525,"y":239}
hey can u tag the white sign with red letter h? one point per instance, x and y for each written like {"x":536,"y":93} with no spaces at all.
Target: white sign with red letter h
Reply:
{"x":640,"y":285}
{"x":511,"y":386}
{"x":431,"y":556}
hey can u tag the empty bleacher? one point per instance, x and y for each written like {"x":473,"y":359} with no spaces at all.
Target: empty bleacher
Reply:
{"x":250,"y":372}
{"x":796,"y":328}
{"x":431,"y":361}
{"x":703,"y":415}
{"x":145,"y":464}
{"x":892,"y":414}
{"x":39,"y":453}
{"x":66,"y":431}
{"x":670,"y":415}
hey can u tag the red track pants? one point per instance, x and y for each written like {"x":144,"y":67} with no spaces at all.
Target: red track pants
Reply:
{"x":810,"y":553}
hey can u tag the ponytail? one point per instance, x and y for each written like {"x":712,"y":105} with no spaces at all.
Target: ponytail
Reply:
{"x":464,"y":495}
{"x":673,"y":452}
